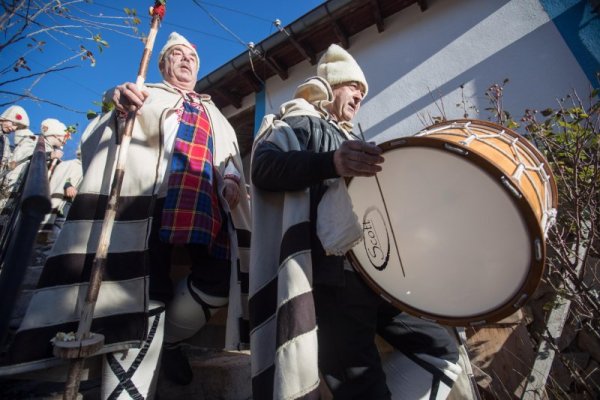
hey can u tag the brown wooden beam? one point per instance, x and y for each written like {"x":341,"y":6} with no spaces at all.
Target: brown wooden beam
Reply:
{"x":377,"y":16}
{"x":341,"y":35}
{"x":234,"y":100}
{"x":250,"y":76}
{"x":305,"y":51}
{"x":270,"y":61}
{"x":253,"y":80}
{"x":276,"y":67}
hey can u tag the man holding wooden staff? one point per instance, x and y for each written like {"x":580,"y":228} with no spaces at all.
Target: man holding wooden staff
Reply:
{"x":190,"y":212}
{"x":183,"y":190}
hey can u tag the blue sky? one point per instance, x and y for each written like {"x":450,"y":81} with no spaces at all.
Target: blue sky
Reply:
{"x":78,"y":88}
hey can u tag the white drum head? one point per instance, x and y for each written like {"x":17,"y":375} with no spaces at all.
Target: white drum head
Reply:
{"x":464,"y":249}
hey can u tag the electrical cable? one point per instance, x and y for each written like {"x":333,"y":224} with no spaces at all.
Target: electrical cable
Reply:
{"x":236,"y":11}
{"x":220,"y":23}
{"x":174,"y":25}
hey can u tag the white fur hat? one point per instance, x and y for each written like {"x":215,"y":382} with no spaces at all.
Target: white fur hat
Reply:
{"x":17,"y":115}
{"x":175,"y":39}
{"x":338,"y":66}
{"x":53,"y":127}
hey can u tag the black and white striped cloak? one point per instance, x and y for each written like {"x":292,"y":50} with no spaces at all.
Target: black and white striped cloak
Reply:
{"x":122,"y":307}
{"x":283,"y":335}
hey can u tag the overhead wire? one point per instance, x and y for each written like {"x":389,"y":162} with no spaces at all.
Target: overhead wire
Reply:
{"x":252,"y":50}
{"x":173,"y":25}
{"x":250,"y":46}
{"x":34,"y":60}
{"x":222,"y":25}
{"x":67,"y":77}
{"x":201,"y":5}
{"x":236,"y":11}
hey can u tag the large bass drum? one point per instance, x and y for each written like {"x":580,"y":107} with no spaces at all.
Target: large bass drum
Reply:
{"x":454,"y":226}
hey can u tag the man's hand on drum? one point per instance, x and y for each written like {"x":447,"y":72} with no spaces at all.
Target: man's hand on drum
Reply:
{"x":127,"y":97}
{"x":357,"y":158}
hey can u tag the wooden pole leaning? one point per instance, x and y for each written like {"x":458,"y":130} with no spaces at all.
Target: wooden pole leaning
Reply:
{"x":52,"y":168}
{"x":86,"y":343}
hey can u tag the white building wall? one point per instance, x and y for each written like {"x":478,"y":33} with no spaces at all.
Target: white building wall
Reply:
{"x":416,"y":66}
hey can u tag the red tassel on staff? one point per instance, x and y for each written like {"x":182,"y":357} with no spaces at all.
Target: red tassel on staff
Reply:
{"x":87,"y":344}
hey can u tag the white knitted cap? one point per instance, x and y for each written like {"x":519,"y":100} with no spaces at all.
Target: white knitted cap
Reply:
{"x":53,"y":127}
{"x":17,"y":115}
{"x":338,"y":66}
{"x":175,"y":39}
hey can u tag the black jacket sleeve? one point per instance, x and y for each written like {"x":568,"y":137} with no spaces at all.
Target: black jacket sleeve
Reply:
{"x":276,"y":170}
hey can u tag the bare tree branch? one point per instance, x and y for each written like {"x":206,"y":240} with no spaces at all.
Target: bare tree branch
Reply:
{"x":29,"y":25}
{"x":37,"y":74}
{"x":37,"y":99}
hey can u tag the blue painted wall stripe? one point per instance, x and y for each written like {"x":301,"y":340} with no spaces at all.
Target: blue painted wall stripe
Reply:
{"x":579,"y":25}
{"x":259,"y":108}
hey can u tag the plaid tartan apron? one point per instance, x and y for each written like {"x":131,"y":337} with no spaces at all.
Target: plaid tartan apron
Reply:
{"x":191,"y":213}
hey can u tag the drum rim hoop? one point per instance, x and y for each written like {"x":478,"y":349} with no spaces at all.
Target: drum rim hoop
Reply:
{"x":533,"y":228}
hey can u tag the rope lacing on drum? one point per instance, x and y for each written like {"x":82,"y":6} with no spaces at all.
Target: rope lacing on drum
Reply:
{"x":473,"y":135}
{"x":548,"y":219}
{"x":428,"y":131}
{"x":519,"y":172}
{"x":548,"y":213}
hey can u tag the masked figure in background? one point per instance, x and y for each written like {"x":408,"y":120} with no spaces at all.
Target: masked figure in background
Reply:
{"x":13,"y":119}
{"x":64,"y":185}
{"x":55,"y":134}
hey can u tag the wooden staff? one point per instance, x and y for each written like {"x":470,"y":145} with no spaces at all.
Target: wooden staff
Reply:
{"x":87,"y":344}
{"x":53,"y":164}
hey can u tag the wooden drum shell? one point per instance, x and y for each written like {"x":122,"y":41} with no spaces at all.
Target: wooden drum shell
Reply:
{"x":528,"y":197}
